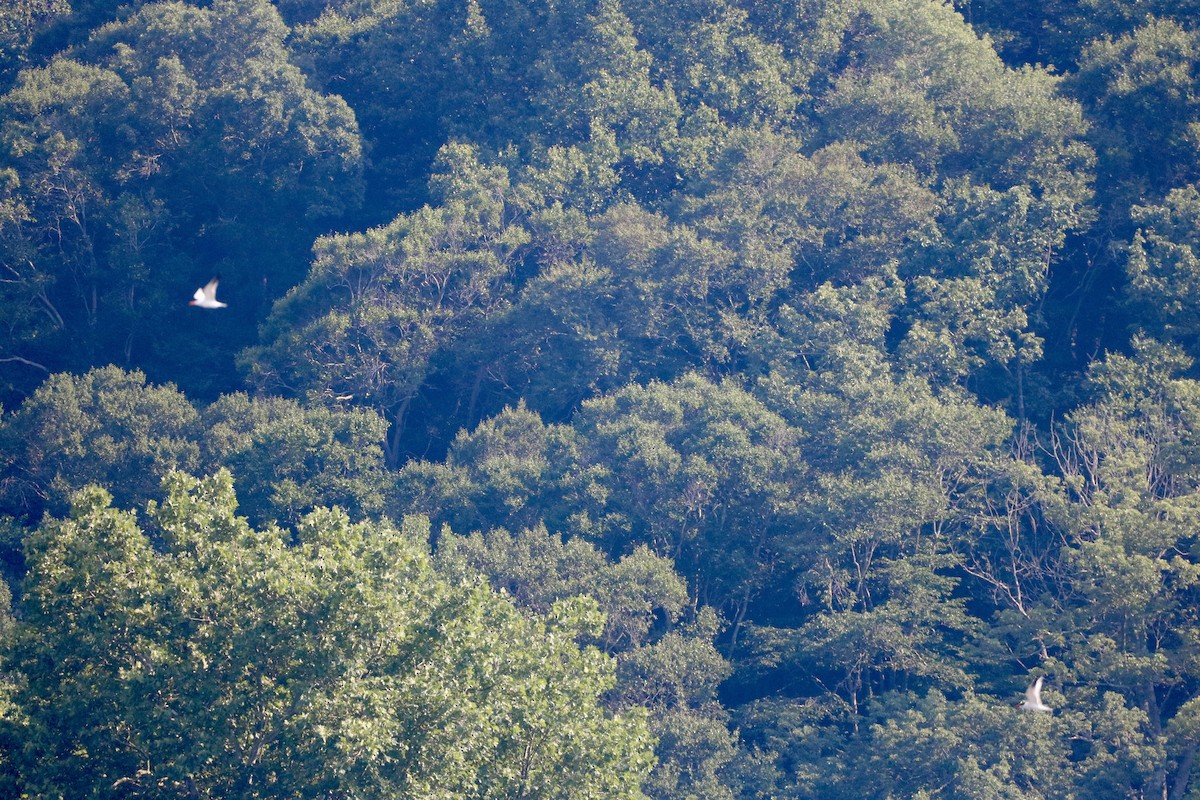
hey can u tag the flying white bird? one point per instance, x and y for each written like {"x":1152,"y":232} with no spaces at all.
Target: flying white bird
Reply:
{"x":206,"y":296}
{"x":1033,"y":698}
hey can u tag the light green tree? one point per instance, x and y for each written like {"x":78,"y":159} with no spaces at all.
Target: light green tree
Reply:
{"x":1164,"y":265}
{"x":228,"y":661}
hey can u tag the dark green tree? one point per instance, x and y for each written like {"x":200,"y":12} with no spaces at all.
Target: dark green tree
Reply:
{"x":377,"y":306}
{"x":111,"y":428}
{"x":107,"y":427}
{"x":176,"y":143}
{"x":1139,"y":91}
{"x":20,"y":23}
{"x":700,"y":472}
{"x":664,"y":663}
{"x":290,"y":458}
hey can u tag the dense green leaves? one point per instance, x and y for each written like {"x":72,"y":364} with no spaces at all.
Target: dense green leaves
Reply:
{"x":1163,"y":264}
{"x":111,"y":427}
{"x":1140,"y":90}
{"x":107,"y":427}
{"x":230,"y":662}
{"x":378,"y":306}
{"x":179,"y":139}
{"x":786,"y":385}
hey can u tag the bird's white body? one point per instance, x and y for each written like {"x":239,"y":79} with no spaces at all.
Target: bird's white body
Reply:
{"x":206,"y":296}
{"x":1033,"y":698}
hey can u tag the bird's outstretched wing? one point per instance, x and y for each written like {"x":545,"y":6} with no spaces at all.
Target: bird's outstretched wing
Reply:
{"x":1033,"y":695}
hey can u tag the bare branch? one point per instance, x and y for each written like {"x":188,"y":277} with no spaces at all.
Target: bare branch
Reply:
{"x":25,"y":361}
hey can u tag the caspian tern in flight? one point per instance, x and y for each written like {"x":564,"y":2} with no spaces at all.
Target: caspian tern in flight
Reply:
{"x":206,"y":296}
{"x":1033,"y":698}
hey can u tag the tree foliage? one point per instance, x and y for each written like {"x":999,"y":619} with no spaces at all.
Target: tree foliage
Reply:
{"x":113,"y":428}
{"x":342,"y":665}
{"x":143,"y":157}
{"x":786,"y":385}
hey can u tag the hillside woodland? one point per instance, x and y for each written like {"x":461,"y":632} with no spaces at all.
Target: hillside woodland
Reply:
{"x":691,"y":400}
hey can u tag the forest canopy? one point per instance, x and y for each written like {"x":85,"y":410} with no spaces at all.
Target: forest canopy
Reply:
{"x":709,"y":399}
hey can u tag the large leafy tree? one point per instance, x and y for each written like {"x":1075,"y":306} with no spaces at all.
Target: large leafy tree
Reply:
{"x":1164,"y":267}
{"x":169,"y":144}
{"x":106,"y":427}
{"x":665,"y":662}
{"x":1139,"y":91}
{"x":378,"y":306}
{"x":702,"y":473}
{"x":289,"y":459}
{"x":1092,"y":577}
{"x":890,"y":468}
{"x":1137,"y":87}
{"x":506,"y":473}
{"x":674,"y":176}
{"x":1129,"y":461}
{"x":231,"y":662}
{"x":925,"y":104}
{"x":20,"y":23}
{"x":113,"y":428}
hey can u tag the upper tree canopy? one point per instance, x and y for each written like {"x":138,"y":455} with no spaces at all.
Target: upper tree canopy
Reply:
{"x":111,"y":427}
{"x":671,"y":176}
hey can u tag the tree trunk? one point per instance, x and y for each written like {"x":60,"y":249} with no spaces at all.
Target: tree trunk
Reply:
{"x":391,"y":449}
{"x":1183,"y":775}
{"x":476,"y":390}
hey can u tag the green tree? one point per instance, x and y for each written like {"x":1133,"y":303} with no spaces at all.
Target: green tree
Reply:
{"x":12,"y":719}
{"x":677,"y":678}
{"x":970,"y":749}
{"x":111,"y":428}
{"x":177,"y":139}
{"x":505,"y":473}
{"x":664,"y":663}
{"x":603,"y":84}
{"x":421,"y":75}
{"x":1136,"y":83}
{"x":646,"y":299}
{"x":1139,"y":91}
{"x":289,"y":459}
{"x":108,"y":427}
{"x":20,"y":23}
{"x":1129,"y":465}
{"x":1163,"y":265}
{"x":980,"y":171}
{"x":231,"y":663}
{"x":1092,"y":573}
{"x":377,"y":306}
{"x":700,"y":472}
{"x":889,"y":468}
{"x":638,"y":594}
{"x":714,"y":59}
